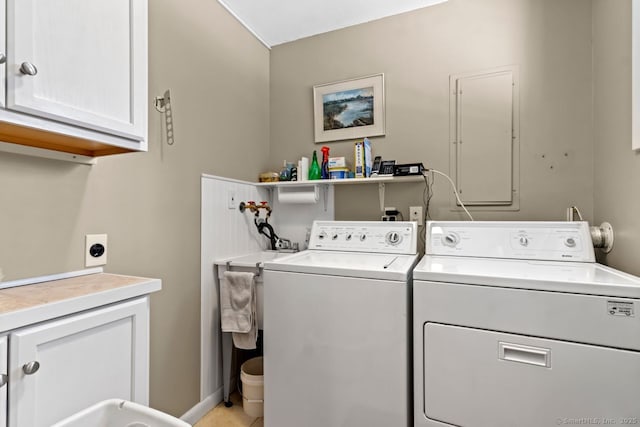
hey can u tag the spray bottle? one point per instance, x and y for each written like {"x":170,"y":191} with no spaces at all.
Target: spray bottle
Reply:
{"x":314,"y":169}
{"x":325,"y":162}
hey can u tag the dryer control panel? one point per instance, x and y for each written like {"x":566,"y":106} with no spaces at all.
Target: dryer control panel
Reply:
{"x":365,"y":236}
{"x":534,"y":240}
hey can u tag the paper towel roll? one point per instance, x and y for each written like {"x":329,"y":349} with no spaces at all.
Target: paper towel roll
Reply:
{"x":303,"y":174}
{"x":298,"y":194}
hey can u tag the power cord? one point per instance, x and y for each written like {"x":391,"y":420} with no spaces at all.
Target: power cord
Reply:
{"x":426,"y":202}
{"x":427,"y":194}
{"x":453,"y":186}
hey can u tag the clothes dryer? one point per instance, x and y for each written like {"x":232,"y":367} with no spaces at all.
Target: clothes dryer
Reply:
{"x":515,"y":324}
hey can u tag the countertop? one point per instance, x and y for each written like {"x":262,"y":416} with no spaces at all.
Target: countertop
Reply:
{"x":28,"y":304}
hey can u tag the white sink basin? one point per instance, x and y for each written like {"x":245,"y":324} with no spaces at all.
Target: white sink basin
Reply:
{"x":251,"y":260}
{"x":252,"y":263}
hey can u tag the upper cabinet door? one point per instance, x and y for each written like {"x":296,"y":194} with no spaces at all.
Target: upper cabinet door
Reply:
{"x":635,"y":74}
{"x":82,"y":62}
{"x":3,"y":52}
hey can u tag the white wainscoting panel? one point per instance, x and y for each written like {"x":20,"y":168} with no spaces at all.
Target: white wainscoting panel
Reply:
{"x":225,"y":233}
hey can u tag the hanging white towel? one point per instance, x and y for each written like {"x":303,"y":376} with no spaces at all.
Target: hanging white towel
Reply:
{"x":238,"y":308}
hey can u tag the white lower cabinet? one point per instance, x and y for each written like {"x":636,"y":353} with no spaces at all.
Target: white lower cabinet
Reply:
{"x":4,"y":364}
{"x":59,"y":367}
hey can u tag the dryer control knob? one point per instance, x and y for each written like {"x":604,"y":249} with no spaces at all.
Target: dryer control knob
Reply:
{"x":393,"y":238}
{"x":322,"y":235}
{"x":451,"y":240}
{"x":524,"y":241}
{"x":570,"y":242}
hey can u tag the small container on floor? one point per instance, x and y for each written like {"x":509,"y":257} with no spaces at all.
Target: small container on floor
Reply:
{"x":252,"y":377}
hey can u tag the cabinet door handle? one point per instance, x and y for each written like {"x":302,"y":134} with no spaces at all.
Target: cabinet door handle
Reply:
{"x":27,"y":68}
{"x":3,"y":58}
{"x":31,"y":367}
{"x":3,"y":380}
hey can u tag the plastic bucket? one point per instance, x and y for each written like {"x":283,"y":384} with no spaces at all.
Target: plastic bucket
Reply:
{"x":252,"y":377}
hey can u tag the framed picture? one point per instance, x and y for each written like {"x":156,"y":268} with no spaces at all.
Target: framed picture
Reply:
{"x":349,"y":109}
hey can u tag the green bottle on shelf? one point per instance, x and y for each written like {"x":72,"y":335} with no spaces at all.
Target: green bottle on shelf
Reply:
{"x":314,"y":169}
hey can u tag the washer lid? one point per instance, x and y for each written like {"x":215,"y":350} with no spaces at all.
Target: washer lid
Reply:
{"x":574,"y":277}
{"x":348,"y":264}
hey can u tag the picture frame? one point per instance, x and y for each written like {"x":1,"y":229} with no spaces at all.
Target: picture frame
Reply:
{"x":349,"y":109}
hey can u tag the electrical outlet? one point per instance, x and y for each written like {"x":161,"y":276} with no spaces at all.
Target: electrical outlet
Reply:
{"x":415,"y":214}
{"x":95,"y":250}
{"x":231,"y":200}
{"x":390,"y":214}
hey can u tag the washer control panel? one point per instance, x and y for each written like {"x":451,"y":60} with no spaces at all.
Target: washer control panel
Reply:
{"x":365,"y":236}
{"x":557,"y":241}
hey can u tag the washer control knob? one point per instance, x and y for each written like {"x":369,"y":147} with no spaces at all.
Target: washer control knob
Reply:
{"x":570,"y":242}
{"x":322,"y":235}
{"x":363,"y":237}
{"x":451,"y":240}
{"x":524,"y":241}
{"x":334,"y":236}
{"x":393,"y":238}
{"x":348,"y":237}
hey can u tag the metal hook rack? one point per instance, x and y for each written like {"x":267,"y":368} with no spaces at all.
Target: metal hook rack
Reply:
{"x":162,"y":104}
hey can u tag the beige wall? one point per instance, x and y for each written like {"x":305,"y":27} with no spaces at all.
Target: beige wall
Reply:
{"x":548,"y":39}
{"x":617,"y":167}
{"x":149,"y":203}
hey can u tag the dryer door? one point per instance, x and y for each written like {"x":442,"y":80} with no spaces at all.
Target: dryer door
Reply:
{"x":478,"y":378}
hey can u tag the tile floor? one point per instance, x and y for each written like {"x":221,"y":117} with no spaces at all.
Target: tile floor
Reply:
{"x":221,"y":416}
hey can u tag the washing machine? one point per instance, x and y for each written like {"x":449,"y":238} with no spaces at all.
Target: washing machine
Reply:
{"x":515,"y":324}
{"x":337,"y":333}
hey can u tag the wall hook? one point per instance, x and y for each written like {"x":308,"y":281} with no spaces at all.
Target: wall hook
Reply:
{"x":163,"y":105}
{"x":162,"y":101}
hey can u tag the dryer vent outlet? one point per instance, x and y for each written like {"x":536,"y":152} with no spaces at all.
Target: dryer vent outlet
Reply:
{"x":95,"y":250}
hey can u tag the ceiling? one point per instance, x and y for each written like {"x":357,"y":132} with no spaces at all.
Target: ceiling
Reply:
{"x":275,"y":22}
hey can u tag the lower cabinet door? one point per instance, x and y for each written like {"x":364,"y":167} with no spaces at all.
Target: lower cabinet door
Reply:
{"x":4,"y":348}
{"x":60,"y":367}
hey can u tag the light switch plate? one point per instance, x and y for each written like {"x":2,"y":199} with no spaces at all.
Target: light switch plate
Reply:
{"x":95,"y":250}
{"x":231,"y":200}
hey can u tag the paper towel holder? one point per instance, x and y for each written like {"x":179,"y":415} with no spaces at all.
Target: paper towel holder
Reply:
{"x":298,"y":194}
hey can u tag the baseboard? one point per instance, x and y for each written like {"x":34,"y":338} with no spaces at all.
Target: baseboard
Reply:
{"x":194,"y":414}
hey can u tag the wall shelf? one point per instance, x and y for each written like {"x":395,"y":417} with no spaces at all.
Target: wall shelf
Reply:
{"x":347,"y":181}
{"x":325,"y":183}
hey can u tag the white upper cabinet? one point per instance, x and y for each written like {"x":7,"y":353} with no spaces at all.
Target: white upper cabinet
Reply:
{"x":77,"y":61}
{"x":635,"y":78}
{"x":3,"y":55}
{"x":75,"y":75}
